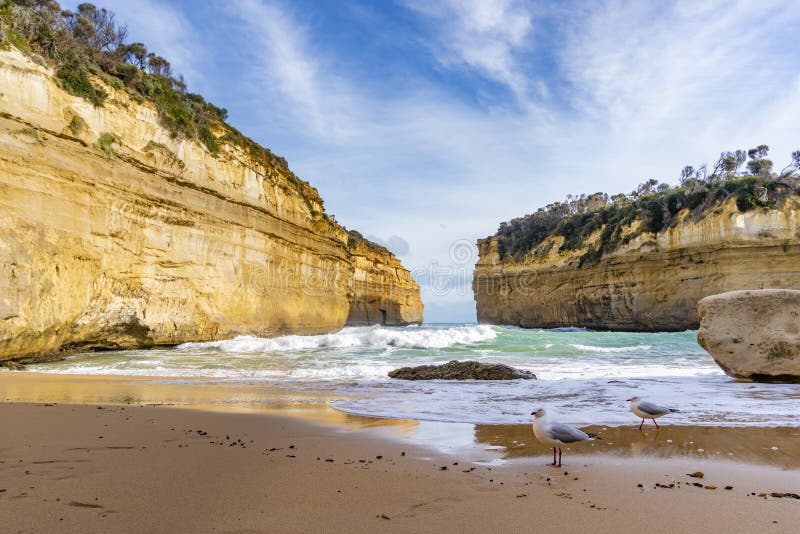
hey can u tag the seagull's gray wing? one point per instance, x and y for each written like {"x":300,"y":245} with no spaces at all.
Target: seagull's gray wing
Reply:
{"x":653,"y":409}
{"x":567,"y":434}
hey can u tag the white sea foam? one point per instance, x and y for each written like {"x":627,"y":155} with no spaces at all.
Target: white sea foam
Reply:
{"x":341,"y":372}
{"x":595,"y":369}
{"x":592,"y":348}
{"x":367,"y":336}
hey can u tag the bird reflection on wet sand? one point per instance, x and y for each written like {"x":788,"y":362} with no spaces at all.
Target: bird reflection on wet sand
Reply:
{"x":779,"y":446}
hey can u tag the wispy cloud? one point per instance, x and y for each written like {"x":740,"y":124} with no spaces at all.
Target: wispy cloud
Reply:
{"x":318,"y":98}
{"x":652,"y":60}
{"x":678,"y":82}
{"x":482,"y":35}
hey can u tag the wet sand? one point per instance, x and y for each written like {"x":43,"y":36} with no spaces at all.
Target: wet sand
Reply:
{"x":300,"y":467}
{"x":777,"y":446}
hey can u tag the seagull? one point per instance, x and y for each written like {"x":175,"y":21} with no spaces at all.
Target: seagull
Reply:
{"x":648,"y":410}
{"x":556,"y":434}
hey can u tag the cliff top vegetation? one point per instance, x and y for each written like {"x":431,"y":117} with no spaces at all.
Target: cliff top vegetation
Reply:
{"x":746,"y":176}
{"x":355,"y":238}
{"x":88,"y":44}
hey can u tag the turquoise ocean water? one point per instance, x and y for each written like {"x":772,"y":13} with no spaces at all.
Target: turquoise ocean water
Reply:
{"x":584,"y":376}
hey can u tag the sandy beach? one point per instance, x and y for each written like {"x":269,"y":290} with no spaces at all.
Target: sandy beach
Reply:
{"x":129,"y":467}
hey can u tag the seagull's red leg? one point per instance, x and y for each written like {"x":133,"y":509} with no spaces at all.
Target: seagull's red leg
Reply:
{"x":654,"y":422}
{"x":640,"y":425}
{"x":559,"y":457}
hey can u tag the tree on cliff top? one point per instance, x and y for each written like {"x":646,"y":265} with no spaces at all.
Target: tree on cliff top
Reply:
{"x":793,"y":167}
{"x":759,"y":164}
{"x":96,"y":29}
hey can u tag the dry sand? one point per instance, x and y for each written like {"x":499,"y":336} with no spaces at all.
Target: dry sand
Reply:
{"x":133,"y":468}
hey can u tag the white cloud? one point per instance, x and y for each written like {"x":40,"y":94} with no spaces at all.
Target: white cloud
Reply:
{"x":484,"y":35}
{"x":631,"y":60}
{"x":677,"y":83}
{"x":318,"y":98}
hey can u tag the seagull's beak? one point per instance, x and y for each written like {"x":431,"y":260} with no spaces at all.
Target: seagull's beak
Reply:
{"x":628,"y":400}
{"x":533,"y":413}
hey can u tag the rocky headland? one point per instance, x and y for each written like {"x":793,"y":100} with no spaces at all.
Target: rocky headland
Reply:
{"x":117,"y":231}
{"x":641,"y":262}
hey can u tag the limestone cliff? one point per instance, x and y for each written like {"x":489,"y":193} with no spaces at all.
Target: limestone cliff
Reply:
{"x":115,"y":233}
{"x":652,"y":282}
{"x":383,"y":290}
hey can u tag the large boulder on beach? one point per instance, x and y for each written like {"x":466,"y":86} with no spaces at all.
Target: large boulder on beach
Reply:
{"x":753,"y":334}
{"x":456,"y":370}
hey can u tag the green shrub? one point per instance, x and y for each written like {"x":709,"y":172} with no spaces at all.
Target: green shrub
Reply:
{"x":655,"y":215}
{"x":73,"y":76}
{"x":675,"y":202}
{"x":746,"y":202}
{"x":8,"y":35}
{"x":207,"y":137}
{"x":355,"y":237}
{"x":696,"y":199}
{"x":591,"y":257}
{"x":76,"y":124}
{"x":106,"y":141}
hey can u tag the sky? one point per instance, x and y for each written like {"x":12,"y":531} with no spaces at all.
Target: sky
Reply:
{"x":424,"y":124}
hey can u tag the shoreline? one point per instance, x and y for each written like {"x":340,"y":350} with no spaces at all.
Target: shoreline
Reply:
{"x":765,"y":445}
{"x":93,"y":468}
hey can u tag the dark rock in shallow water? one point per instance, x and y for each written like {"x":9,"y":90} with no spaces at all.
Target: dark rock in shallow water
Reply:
{"x":456,"y":370}
{"x":14,"y":366}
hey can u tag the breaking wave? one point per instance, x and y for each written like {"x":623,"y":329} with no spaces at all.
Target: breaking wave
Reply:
{"x":353,"y":336}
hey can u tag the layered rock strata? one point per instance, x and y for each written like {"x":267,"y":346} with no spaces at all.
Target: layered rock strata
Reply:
{"x":115,"y":234}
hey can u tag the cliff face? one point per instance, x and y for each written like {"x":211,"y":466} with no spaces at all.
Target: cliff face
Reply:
{"x":115,"y":234}
{"x":383,"y":290}
{"x":652,"y":283}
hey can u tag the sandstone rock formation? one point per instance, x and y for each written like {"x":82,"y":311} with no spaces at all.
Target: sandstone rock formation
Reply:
{"x":753,"y":335}
{"x":651,"y":283}
{"x":455,"y":370}
{"x":383,"y":291}
{"x":116,"y":234}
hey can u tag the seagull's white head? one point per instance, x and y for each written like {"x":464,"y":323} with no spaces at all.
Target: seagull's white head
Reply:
{"x":539,"y":413}
{"x":633,"y":399}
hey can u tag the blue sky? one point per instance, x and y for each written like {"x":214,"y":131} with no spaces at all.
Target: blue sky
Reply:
{"x":425,"y":124}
